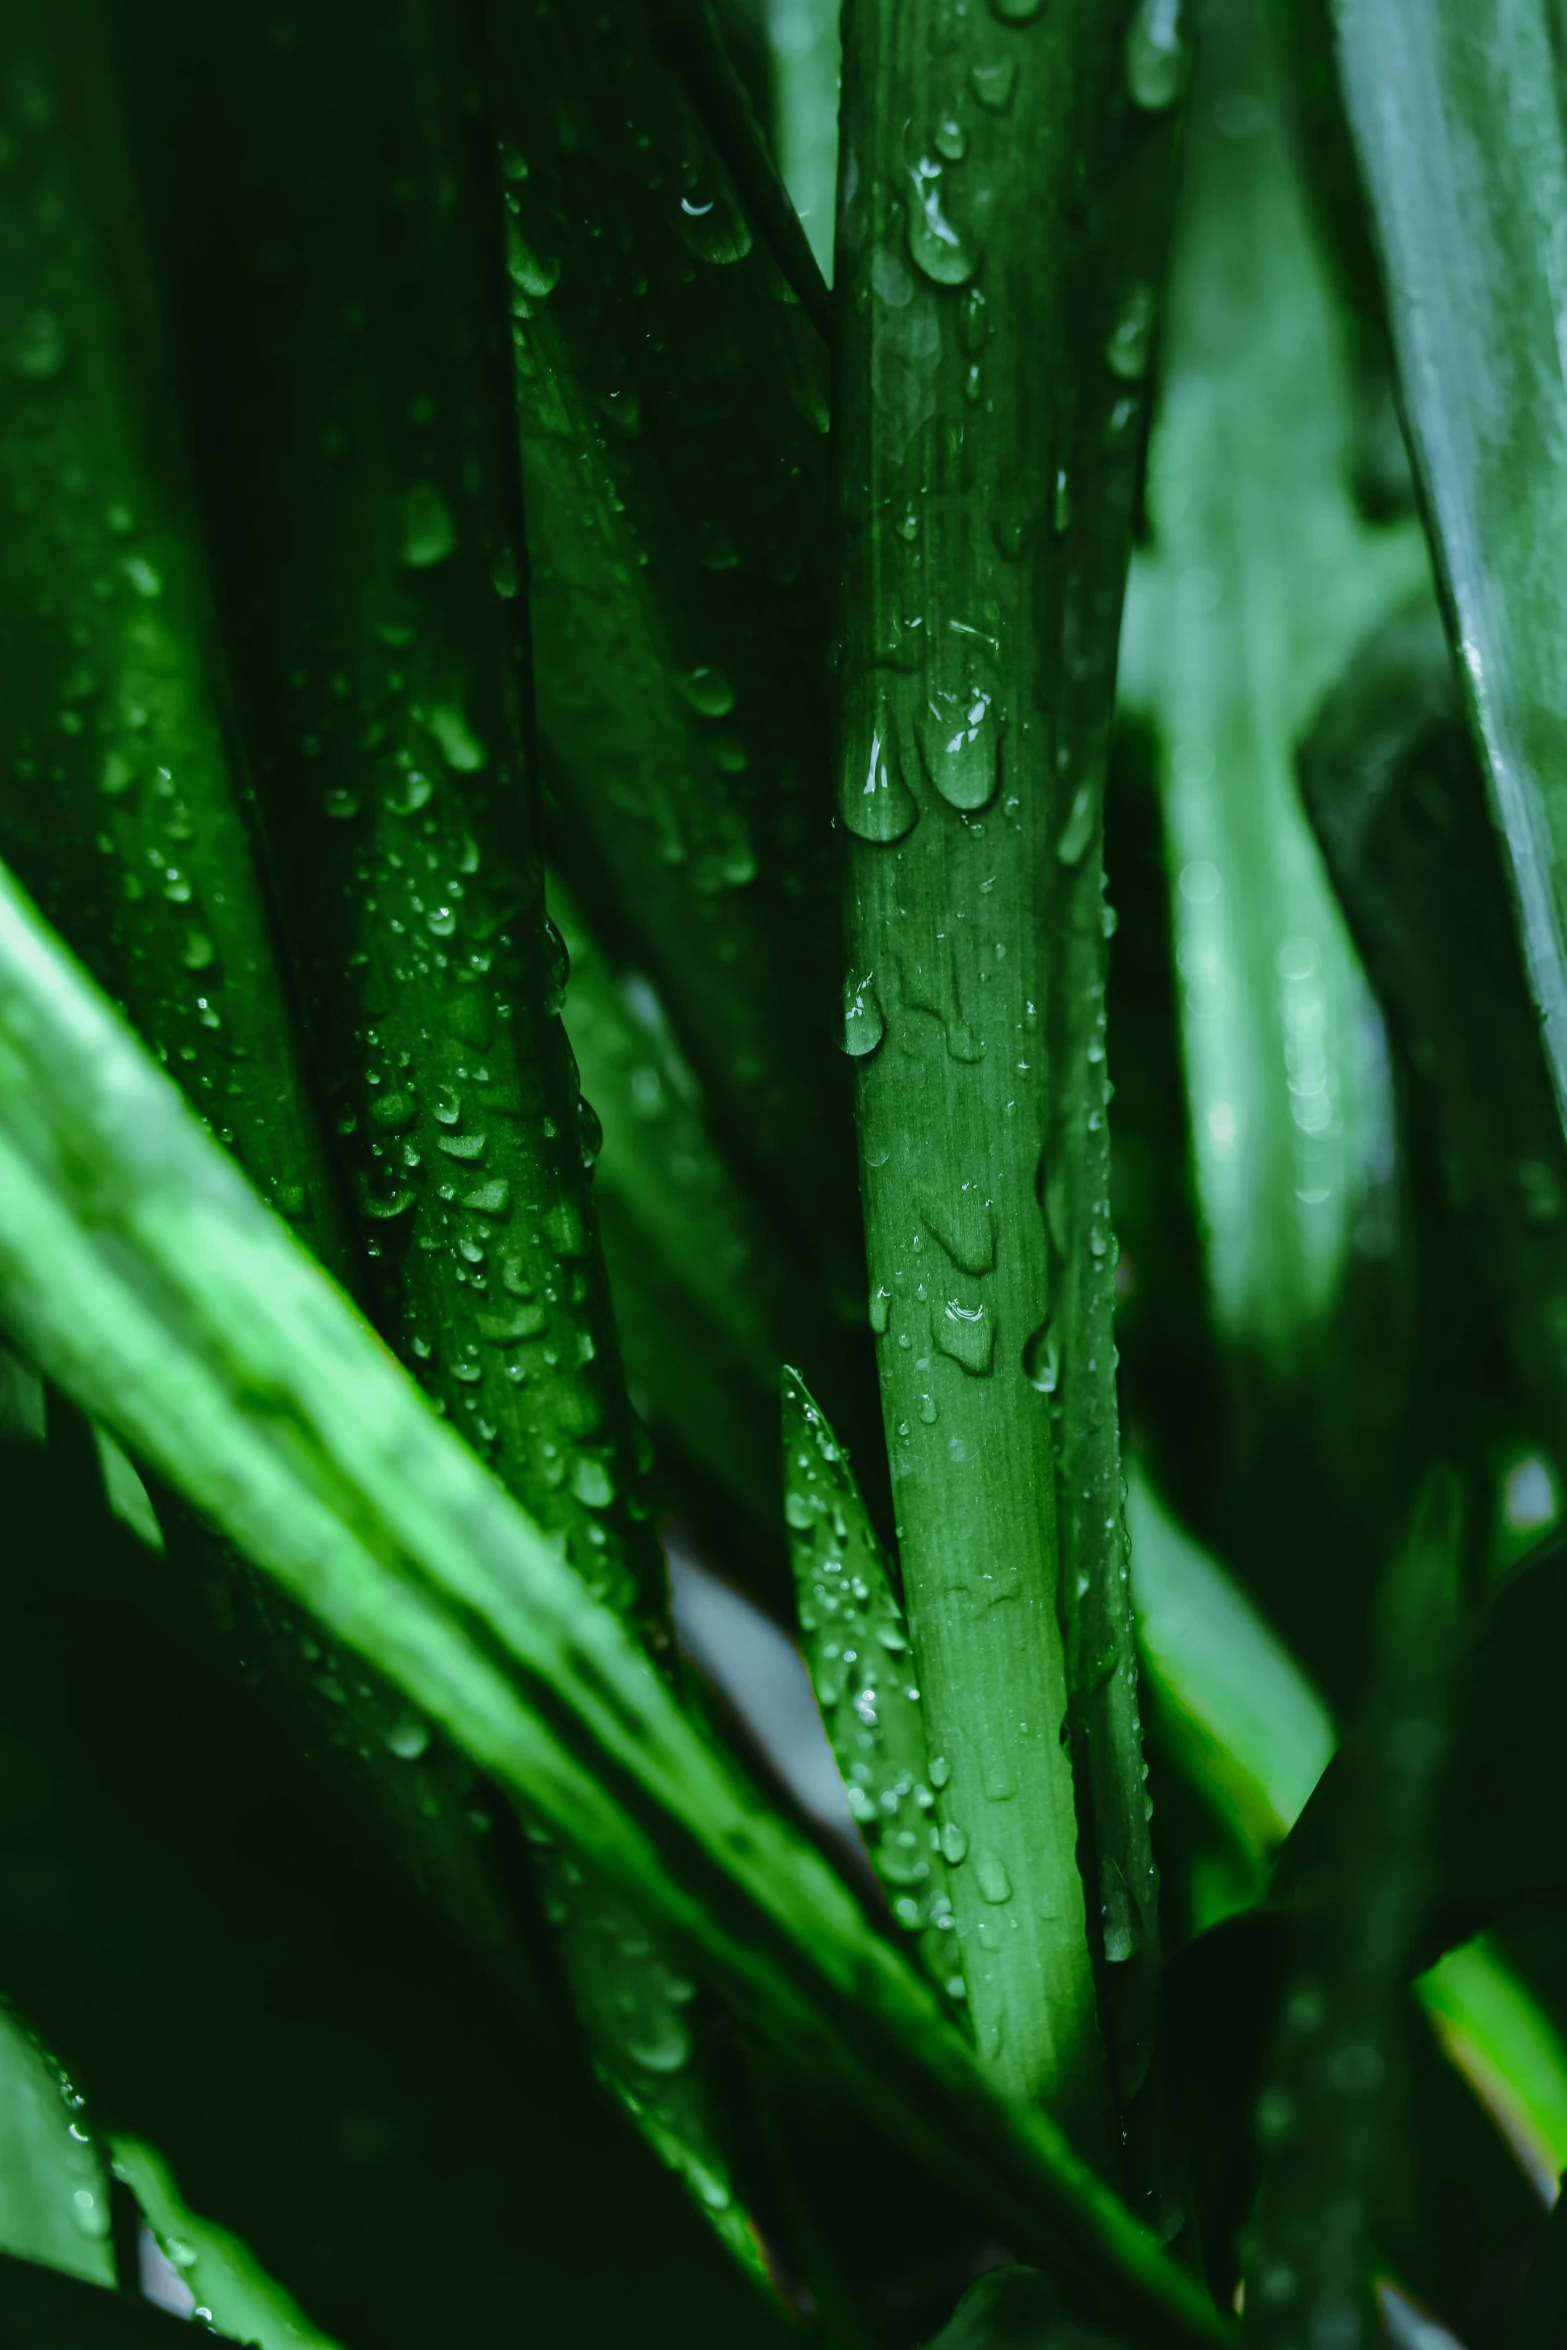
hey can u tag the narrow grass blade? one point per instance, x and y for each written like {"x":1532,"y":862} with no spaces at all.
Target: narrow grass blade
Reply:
{"x":676,"y":488}
{"x":146,"y":1278}
{"x":54,"y":2191}
{"x":1458,"y":122}
{"x":985,"y":494}
{"x":1323,"y":2117}
{"x":223,"y":2275}
{"x":403,"y":846}
{"x":1396,"y":793}
{"x":857,"y":1646}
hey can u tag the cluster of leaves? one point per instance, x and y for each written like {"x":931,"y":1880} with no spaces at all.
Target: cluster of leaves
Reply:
{"x":487,"y":632}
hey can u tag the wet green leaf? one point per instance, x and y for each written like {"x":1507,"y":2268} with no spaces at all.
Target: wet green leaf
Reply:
{"x":226,"y":1359}
{"x":985,"y":505}
{"x":1459,"y":129}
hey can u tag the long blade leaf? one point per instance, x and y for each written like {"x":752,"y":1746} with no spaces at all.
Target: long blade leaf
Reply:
{"x":142,"y":1273}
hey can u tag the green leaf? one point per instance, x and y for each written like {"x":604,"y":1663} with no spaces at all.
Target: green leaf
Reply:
{"x":1015,"y":2309}
{"x":676,"y":491}
{"x":223,"y":2274}
{"x":1237,"y":1709}
{"x":985,"y":502}
{"x":143,"y":1275}
{"x":1459,"y":129}
{"x":42,"y":2310}
{"x":54,"y":2194}
{"x":860,"y":1657}
{"x":1396,"y":794}
{"x":1324,"y":2117}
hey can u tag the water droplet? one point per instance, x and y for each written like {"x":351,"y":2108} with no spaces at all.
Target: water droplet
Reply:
{"x":503,"y":574}
{"x":38,"y":351}
{"x":959,"y":729}
{"x":1078,"y":830}
{"x":708,"y":691}
{"x":592,"y":1483}
{"x":968,"y":1335}
{"x":408,"y":1737}
{"x":881,"y":807}
{"x":995,"y":86}
{"x":429,"y":533}
{"x":1132,"y":335}
{"x":881,"y":1310}
{"x":713,"y":227}
{"x":954,"y":1843}
{"x":951,"y":139}
{"x":940,"y":1770}
{"x":660,"y":2040}
{"x":531,"y":275}
{"x":489,"y":1199}
{"x":1155,"y":54}
{"x":143,"y":576}
{"x":863,"y":1022}
{"x":1017,"y":11}
{"x":935,"y":247}
{"x":1042,"y":1360}
{"x":441,"y":921}
{"x":1061,"y":505}
{"x":991,"y":1876}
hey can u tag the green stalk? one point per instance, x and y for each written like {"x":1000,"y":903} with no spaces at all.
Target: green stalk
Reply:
{"x":997,"y":307}
{"x":365,"y":507}
{"x":1458,"y":122}
{"x":672,"y":407}
{"x":124,"y":804}
{"x":149,"y":1282}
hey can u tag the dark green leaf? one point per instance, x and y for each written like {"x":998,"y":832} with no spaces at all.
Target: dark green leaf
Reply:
{"x":216,"y":1350}
{"x":1397,"y":796}
{"x":1458,"y":122}
{"x":1015,"y":2309}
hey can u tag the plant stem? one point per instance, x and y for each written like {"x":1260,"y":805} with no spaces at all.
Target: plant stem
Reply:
{"x":989,"y":406}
